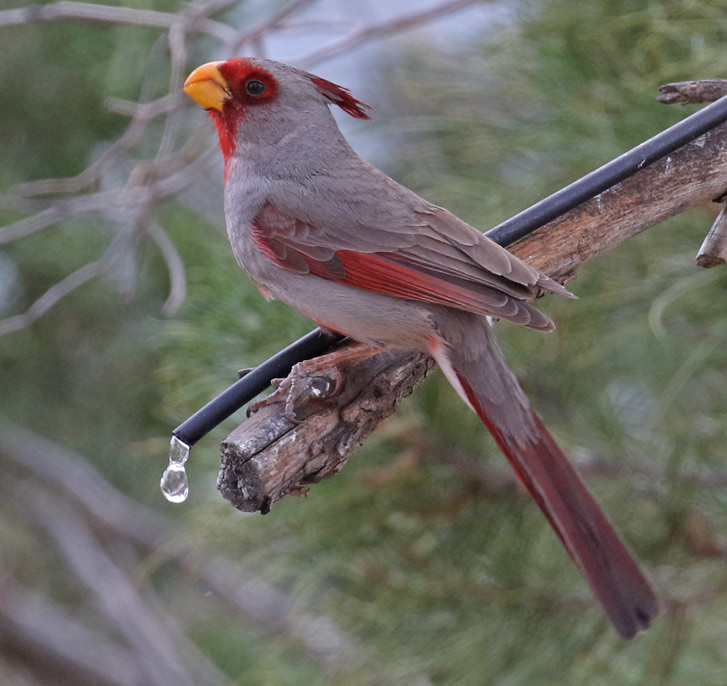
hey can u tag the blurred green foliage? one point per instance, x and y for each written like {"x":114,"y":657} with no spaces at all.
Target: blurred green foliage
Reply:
{"x":429,"y":573}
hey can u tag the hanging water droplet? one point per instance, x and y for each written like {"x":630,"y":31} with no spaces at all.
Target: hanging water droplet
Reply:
{"x":321,"y":386}
{"x":174,"y":483}
{"x":178,"y":451}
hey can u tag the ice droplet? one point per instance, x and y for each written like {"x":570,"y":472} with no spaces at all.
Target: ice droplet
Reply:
{"x":174,"y":483}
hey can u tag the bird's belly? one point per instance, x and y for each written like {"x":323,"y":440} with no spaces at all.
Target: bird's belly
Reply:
{"x":372,"y":318}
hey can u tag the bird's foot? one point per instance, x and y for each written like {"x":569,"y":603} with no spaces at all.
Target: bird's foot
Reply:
{"x":310,"y":381}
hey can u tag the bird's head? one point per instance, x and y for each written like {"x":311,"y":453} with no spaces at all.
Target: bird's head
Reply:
{"x":262,"y":101}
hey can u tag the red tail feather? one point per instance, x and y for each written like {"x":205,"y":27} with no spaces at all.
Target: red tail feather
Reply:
{"x":576,"y":517}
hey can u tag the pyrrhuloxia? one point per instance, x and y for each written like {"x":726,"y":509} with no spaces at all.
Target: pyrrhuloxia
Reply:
{"x":319,"y":228}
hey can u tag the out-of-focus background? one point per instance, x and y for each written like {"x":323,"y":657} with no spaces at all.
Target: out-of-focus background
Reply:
{"x":122,"y":311}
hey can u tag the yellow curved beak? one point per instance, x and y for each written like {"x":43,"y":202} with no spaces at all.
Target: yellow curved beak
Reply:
{"x":207,"y":86}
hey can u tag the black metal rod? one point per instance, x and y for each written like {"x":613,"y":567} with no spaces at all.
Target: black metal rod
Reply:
{"x":610,"y":174}
{"x":256,"y":381}
{"x":318,"y":342}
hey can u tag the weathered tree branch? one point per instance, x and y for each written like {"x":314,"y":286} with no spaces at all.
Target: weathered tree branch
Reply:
{"x":268,"y":457}
{"x":690,"y":92}
{"x":713,"y":251}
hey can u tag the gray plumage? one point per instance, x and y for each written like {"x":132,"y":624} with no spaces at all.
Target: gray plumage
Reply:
{"x":326,"y":232}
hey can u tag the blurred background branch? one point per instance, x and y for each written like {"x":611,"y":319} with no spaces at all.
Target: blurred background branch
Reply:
{"x":123,"y":521}
{"x":177,"y":164}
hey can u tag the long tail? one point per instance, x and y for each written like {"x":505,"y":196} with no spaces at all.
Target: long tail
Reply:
{"x":477,"y":369}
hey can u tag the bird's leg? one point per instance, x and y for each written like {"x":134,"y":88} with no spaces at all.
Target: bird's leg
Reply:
{"x":311,"y":380}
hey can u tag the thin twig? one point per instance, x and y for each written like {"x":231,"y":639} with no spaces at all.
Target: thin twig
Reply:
{"x":20,"y":204}
{"x":145,"y":111}
{"x":273,"y":23}
{"x":713,"y":250}
{"x":689,"y":92}
{"x":382,"y":30}
{"x":85,"y":11}
{"x":102,"y":201}
{"x":76,"y":207}
{"x":175,"y":266}
{"x":141,"y":112}
{"x":70,"y":283}
{"x":54,"y":295}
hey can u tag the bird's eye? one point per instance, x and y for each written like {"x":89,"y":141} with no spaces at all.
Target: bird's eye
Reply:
{"x":255,"y":87}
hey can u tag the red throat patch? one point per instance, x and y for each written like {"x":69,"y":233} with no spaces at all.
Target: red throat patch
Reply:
{"x":249,"y":86}
{"x":226,"y":124}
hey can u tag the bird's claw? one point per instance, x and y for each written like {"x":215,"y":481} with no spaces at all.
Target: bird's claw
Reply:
{"x":307,"y":382}
{"x":276,"y":396}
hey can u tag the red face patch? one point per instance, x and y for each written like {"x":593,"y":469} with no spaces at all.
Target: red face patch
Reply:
{"x":250,"y":86}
